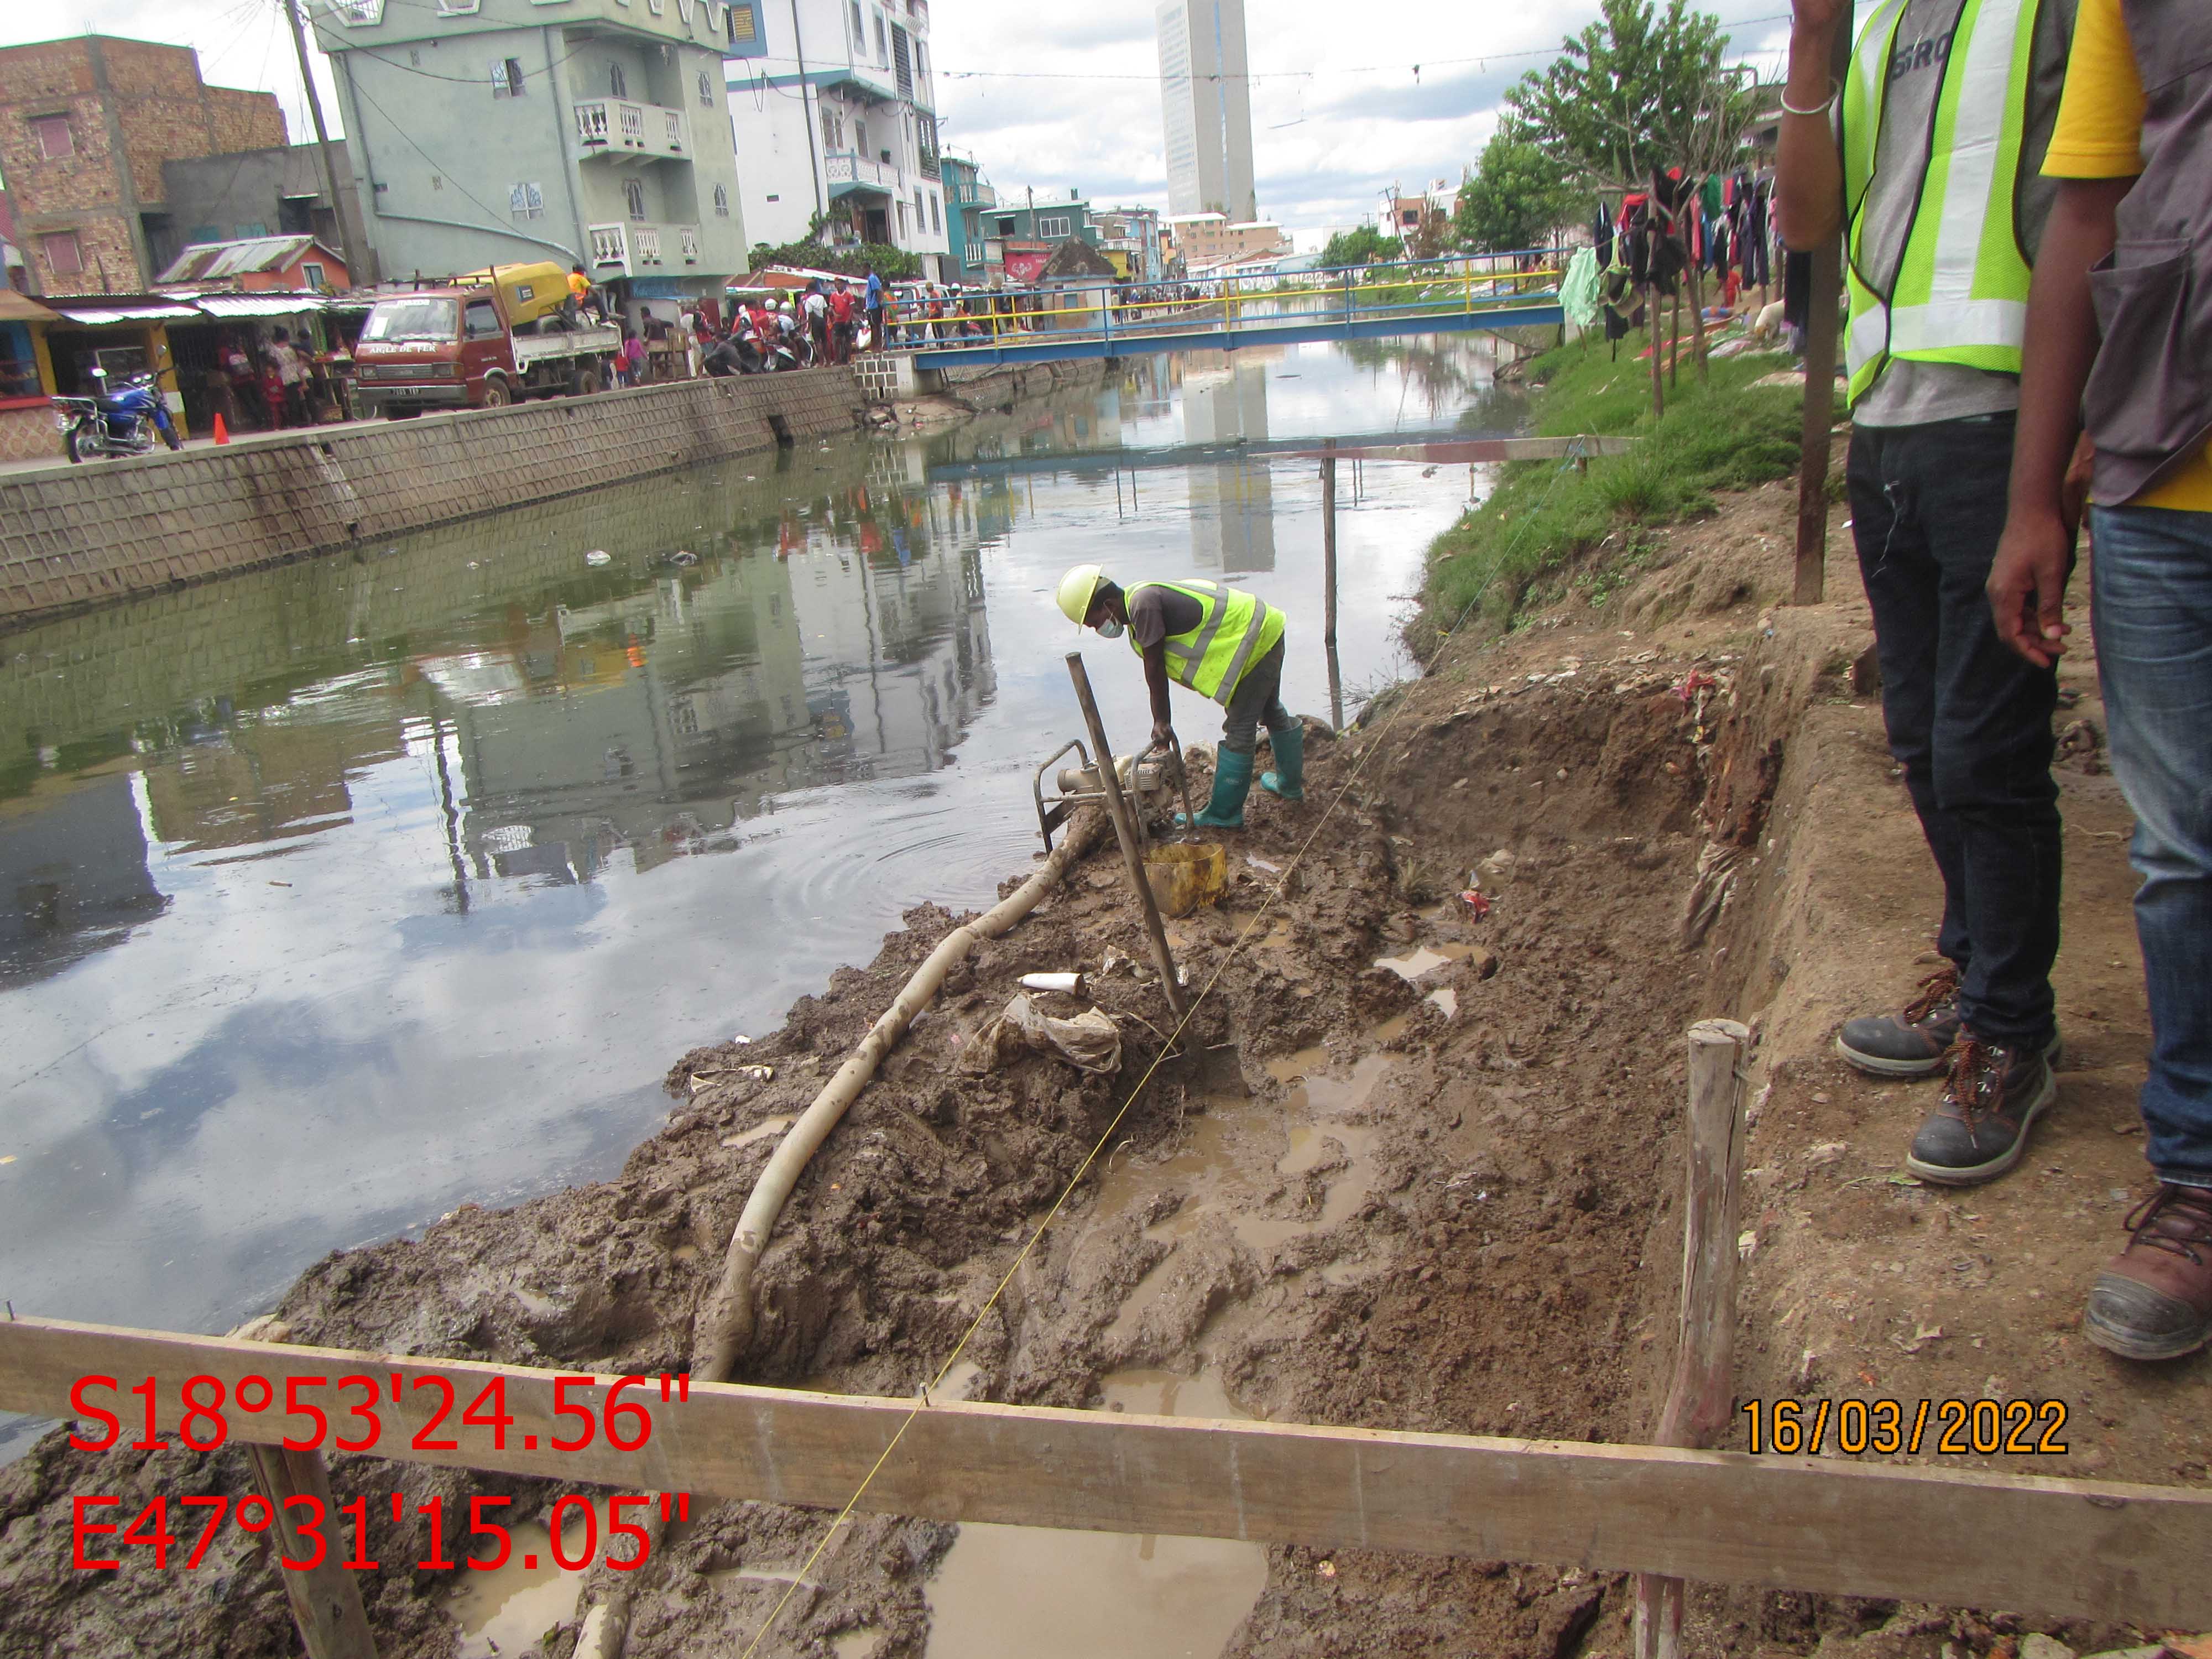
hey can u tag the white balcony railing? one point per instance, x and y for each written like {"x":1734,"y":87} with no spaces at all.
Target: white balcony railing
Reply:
{"x":610,"y":251}
{"x":859,"y":171}
{"x":630,"y":249}
{"x":614,"y":126}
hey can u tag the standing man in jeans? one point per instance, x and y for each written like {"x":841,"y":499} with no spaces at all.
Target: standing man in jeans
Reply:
{"x":1926,"y":161}
{"x":2129,"y":256}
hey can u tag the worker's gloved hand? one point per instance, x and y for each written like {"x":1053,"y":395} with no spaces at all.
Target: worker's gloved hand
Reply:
{"x":1163,"y":733}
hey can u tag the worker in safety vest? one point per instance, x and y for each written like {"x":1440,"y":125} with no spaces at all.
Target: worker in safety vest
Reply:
{"x":1926,"y":158}
{"x":1221,"y":643}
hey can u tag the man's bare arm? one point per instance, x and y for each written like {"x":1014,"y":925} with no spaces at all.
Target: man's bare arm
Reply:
{"x":1808,"y":172}
{"x":2027,"y":580}
{"x":1156,"y":681}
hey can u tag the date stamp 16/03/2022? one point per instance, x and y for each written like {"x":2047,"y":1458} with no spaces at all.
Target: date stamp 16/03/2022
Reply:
{"x":1887,"y":1428}
{"x":345,"y":1413}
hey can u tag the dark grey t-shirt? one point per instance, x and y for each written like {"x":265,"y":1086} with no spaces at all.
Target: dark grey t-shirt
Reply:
{"x":1155,"y":612}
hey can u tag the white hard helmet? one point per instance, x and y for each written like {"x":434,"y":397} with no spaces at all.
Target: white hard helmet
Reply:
{"x":1077,"y":589}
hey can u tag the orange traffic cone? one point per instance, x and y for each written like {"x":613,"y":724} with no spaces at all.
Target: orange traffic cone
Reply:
{"x":221,"y":432}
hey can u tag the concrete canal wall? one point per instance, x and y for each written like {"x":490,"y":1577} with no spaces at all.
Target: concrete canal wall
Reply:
{"x":109,"y":530}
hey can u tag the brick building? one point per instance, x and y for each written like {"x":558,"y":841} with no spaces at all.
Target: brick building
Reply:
{"x":85,"y":126}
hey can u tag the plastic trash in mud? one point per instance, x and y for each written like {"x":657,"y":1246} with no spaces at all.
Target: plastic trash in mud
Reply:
{"x":1185,"y":875}
{"x":1089,"y":1043}
{"x":1477,"y":907}
{"x":1071,"y":983}
{"x":598,"y":556}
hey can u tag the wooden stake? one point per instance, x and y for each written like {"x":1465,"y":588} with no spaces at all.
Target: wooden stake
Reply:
{"x":1652,"y":328}
{"x":1821,"y":326}
{"x":1699,"y":1400}
{"x":326,"y":1598}
{"x":1328,"y":579}
{"x":1125,"y":831}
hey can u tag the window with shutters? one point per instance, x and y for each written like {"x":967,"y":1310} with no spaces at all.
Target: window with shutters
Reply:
{"x":745,"y":26}
{"x":859,"y":29}
{"x":903,"y":61}
{"x":56,"y":141}
{"x":882,"y":44}
{"x":936,"y":223}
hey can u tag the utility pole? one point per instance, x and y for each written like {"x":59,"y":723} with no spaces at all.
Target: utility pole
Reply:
{"x":350,"y":237}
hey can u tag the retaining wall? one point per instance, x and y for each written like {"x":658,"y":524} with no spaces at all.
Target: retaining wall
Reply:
{"x":107,"y":530}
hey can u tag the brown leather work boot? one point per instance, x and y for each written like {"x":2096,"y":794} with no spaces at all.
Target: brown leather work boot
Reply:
{"x":1990,"y":1100}
{"x":1911,"y":1043}
{"x":2153,"y":1300}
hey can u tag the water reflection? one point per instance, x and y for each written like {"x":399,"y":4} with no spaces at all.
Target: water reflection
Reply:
{"x":336,"y":895}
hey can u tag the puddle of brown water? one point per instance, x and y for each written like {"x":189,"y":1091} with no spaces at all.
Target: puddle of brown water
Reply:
{"x":760,"y":1131}
{"x":1019,"y":1592}
{"x":1424,"y":958}
{"x":510,"y":1608}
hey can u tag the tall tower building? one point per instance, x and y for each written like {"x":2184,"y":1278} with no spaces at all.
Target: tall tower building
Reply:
{"x":1205,"y":109}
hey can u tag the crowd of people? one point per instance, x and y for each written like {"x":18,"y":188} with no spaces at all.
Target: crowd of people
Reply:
{"x":264,"y":384}
{"x":2027,"y":249}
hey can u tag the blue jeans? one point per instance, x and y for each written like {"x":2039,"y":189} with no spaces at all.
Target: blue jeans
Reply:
{"x":2152,"y":573}
{"x":1968,"y":720}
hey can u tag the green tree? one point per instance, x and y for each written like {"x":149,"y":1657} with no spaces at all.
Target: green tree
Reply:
{"x":1364,"y":245}
{"x":1519,"y":196}
{"x":1640,"y":89}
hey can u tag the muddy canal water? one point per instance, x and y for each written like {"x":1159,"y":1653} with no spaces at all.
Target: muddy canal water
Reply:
{"x":334,"y":896}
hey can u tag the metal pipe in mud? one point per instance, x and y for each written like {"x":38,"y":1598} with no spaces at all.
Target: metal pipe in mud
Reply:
{"x":728,"y":1325}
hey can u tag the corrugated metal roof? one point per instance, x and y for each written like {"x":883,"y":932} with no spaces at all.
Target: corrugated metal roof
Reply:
{"x":205,"y":261}
{"x":155,"y":314}
{"x":258,"y":305}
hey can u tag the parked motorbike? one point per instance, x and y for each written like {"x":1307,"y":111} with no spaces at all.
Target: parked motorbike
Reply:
{"x":121,"y":419}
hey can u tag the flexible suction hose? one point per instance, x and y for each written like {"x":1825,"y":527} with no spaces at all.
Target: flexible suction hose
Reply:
{"x":727,"y":1324}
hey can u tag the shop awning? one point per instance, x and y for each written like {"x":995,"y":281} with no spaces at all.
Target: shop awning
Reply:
{"x":148,"y":313}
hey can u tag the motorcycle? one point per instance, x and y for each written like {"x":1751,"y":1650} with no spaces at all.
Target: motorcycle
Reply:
{"x":119,"y":421}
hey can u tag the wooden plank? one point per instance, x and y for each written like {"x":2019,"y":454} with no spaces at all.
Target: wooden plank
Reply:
{"x":326,"y":1598}
{"x":2030,"y":1544}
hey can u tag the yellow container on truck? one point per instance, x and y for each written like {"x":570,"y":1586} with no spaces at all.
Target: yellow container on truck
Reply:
{"x":525,"y":292}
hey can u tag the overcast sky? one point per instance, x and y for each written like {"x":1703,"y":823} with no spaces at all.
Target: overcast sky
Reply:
{"x":1057,"y":97}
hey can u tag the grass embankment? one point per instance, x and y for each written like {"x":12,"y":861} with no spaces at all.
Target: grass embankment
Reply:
{"x":1544,"y":527}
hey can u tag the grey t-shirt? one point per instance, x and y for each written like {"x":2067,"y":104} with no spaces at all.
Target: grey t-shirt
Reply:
{"x":1155,"y":612}
{"x":1915,"y":393}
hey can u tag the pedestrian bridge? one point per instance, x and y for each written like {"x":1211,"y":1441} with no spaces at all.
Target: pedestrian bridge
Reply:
{"x":1369,"y":302}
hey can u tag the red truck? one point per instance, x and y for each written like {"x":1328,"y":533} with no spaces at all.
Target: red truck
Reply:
{"x":478,"y":341}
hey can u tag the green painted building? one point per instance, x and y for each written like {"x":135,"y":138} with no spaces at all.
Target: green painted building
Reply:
{"x":501,"y":131}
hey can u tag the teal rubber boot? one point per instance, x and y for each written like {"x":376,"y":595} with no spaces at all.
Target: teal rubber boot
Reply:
{"x":1232,"y":781}
{"x":1288,"y":779}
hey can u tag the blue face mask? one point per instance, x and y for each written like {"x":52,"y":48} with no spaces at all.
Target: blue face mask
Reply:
{"x":1109,"y":629}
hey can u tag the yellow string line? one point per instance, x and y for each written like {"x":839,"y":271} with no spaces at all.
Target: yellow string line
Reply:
{"x":1275,"y":893}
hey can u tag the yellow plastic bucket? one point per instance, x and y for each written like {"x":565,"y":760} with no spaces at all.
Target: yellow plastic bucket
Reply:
{"x":1185,"y":875}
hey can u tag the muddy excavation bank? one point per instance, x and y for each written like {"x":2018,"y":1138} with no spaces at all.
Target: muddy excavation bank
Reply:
{"x":1438,"y":1189}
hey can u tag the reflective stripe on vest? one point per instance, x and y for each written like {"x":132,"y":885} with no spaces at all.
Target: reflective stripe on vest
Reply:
{"x":1235,"y":629}
{"x":1960,"y":292}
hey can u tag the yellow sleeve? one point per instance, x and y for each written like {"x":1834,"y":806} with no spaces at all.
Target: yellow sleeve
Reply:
{"x":2100,"y":130}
